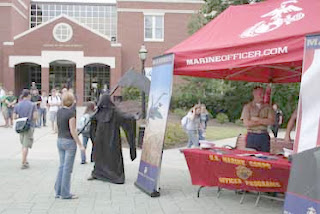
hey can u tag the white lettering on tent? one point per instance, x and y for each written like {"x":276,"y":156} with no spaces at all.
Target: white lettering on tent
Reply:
{"x":286,"y":14}
{"x":238,"y":56}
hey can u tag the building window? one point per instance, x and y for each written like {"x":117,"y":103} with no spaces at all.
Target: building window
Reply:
{"x":95,"y":76}
{"x":62,"y":32}
{"x":102,"y":18}
{"x":154,"y":28}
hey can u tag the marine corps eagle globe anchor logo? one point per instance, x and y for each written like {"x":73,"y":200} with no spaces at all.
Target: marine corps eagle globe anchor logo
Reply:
{"x":286,"y":14}
{"x":243,"y":172}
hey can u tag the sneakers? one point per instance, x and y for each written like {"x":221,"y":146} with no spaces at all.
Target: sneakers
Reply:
{"x":71,"y":197}
{"x":25,"y":165}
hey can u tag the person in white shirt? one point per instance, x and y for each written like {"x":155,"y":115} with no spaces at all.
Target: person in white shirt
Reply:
{"x":43,"y":109}
{"x":54,"y":102}
{"x":3,"y":106}
{"x":2,"y":95}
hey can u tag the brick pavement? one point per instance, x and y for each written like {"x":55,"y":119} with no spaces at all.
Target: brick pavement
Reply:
{"x":31,"y":190}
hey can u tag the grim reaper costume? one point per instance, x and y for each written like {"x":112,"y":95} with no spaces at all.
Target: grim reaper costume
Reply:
{"x":105,"y":128}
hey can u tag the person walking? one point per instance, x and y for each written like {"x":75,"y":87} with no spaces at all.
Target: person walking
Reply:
{"x":54,"y":102}
{"x":278,"y":120}
{"x":4,"y":108}
{"x":84,"y":126}
{"x":193,"y":125}
{"x":67,"y":146}
{"x":204,"y":117}
{"x":10,"y":101}
{"x":43,"y":109}
{"x":2,"y":96}
{"x":36,"y":99}
{"x":25,"y":108}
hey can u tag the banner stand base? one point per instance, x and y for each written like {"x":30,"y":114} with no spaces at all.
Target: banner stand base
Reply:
{"x":152,"y":194}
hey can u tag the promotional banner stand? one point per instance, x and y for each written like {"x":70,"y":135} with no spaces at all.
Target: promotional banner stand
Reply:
{"x":157,"y":114}
{"x":152,"y":194}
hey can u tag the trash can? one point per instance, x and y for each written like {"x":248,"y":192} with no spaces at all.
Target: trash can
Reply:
{"x":142,"y":127}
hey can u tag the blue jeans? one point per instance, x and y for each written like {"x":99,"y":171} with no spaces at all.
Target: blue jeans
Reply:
{"x":67,"y":151}
{"x":83,"y":153}
{"x":42,"y":116}
{"x":192,"y":138}
{"x":201,"y":134}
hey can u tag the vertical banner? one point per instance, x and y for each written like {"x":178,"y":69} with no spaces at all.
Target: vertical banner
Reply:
{"x":303,"y":193}
{"x":307,"y":134}
{"x":158,"y":107}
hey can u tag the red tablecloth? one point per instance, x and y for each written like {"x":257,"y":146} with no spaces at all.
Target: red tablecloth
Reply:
{"x":227,"y":169}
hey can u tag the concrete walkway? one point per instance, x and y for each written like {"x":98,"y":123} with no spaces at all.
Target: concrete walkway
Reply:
{"x":31,"y":190}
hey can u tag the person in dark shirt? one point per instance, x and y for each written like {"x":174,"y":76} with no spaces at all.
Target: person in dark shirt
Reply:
{"x":25,"y":108}
{"x":278,"y":120}
{"x":36,"y":98}
{"x":67,"y":146}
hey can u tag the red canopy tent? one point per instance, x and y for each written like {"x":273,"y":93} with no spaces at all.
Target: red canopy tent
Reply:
{"x":260,"y":42}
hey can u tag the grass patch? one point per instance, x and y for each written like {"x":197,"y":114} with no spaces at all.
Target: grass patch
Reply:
{"x":222,"y":132}
{"x":176,"y":137}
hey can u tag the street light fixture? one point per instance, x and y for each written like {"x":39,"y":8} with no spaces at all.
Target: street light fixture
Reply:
{"x":143,"y":53}
{"x":143,"y":56}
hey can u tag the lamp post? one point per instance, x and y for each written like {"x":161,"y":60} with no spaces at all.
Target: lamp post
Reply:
{"x":143,"y":55}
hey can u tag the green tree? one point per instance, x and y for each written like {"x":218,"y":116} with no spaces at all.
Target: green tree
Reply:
{"x":286,"y":96}
{"x":210,"y":10}
{"x":229,"y":97}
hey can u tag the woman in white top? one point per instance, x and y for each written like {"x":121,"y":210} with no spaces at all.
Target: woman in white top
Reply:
{"x":193,"y":125}
{"x":43,"y":109}
{"x":54,"y":103}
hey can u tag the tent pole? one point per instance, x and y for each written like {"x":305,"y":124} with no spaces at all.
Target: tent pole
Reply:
{"x":270,"y":85}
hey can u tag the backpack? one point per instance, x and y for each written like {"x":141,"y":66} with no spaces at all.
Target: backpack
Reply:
{"x":82,"y":124}
{"x":184,"y":122}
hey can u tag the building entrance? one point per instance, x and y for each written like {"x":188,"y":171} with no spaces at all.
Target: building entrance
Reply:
{"x":25,"y":74}
{"x":95,"y":77}
{"x":62,"y":75}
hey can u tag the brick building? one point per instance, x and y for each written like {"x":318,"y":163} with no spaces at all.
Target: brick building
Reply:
{"x":84,"y":43}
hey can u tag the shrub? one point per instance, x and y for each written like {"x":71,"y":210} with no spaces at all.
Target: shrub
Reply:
{"x":180,"y":112}
{"x":239,"y":122}
{"x":222,"y":118}
{"x":175,"y":136}
{"x":131,"y":94}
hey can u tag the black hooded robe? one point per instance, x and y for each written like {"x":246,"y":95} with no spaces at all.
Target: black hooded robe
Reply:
{"x":108,"y":150}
